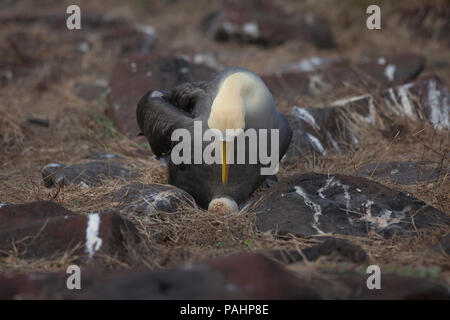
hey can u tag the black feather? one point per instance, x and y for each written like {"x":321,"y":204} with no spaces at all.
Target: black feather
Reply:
{"x":157,"y":118}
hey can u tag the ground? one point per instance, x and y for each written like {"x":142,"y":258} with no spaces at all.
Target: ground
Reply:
{"x":80,"y":128}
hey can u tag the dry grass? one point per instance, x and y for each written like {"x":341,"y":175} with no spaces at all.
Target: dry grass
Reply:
{"x":79,"y":128}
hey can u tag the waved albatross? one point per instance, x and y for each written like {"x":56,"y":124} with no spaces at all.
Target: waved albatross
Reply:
{"x":234,"y":98}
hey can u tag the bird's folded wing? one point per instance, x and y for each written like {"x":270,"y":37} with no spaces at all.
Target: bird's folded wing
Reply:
{"x":157,"y":118}
{"x":186,"y":95}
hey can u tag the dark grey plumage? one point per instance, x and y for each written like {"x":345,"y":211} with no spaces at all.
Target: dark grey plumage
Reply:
{"x":159,"y":114}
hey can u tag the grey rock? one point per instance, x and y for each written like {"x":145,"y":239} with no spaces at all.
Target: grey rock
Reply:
{"x":325,"y":129}
{"x":401,"y":172}
{"x":148,"y":199}
{"x":132,"y":39}
{"x":318,"y":204}
{"x":86,"y":174}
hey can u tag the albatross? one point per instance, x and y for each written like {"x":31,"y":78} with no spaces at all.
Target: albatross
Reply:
{"x":233,"y":100}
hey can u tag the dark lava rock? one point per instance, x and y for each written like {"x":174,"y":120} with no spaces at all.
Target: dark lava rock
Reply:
{"x":44,"y":229}
{"x":261,"y":278}
{"x":91,"y":91}
{"x":380,"y":72}
{"x":327,"y":129}
{"x":39,"y":122}
{"x":318,"y":130}
{"x":144,"y":73}
{"x":289,"y":85}
{"x":4,"y":204}
{"x":86,"y":174}
{"x":264,"y":22}
{"x":393,"y":69}
{"x":344,"y":250}
{"x":400,"y":172}
{"x":236,"y":276}
{"x":315,"y":204}
{"x":444,"y":244}
{"x":148,"y":199}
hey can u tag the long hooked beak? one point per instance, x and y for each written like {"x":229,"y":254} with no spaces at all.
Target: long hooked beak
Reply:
{"x":224,"y":163}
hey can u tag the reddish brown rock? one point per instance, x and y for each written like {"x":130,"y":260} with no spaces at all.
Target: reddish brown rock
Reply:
{"x":18,"y":56}
{"x":289,"y":85}
{"x":393,"y":69}
{"x":236,"y":276}
{"x":428,"y":21}
{"x":261,"y":278}
{"x":380,"y":72}
{"x":21,"y":286}
{"x":134,"y":76}
{"x":45,"y":229}
{"x":264,"y":22}
{"x":20,"y":51}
